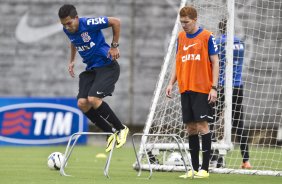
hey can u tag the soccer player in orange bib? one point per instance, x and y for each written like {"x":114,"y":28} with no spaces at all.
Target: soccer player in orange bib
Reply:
{"x":196,"y":72}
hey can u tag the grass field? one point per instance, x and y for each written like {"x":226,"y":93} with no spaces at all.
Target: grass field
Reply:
{"x":28,"y":165}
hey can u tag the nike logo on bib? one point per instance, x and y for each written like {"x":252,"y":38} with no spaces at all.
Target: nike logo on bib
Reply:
{"x":99,"y":92}
{"x":186,"y":48}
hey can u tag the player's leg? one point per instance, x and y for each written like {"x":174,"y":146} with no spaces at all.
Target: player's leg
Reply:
{"x":86,"y":79}
{"x":109,"y":117}
{"x":105,"y":111}
{"x":103,"y":86}
{"x":193,"y":138}
{"x":238,"y":124}
{"x":194,"y":149}
{"x":203,"y":113}
{"x":194,"y":144}
{"x":93,"y":116}
{"x":203,"y":129}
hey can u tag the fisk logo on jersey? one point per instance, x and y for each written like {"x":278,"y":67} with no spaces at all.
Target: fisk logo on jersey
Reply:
{"x":94,"y":21}
{"x":39,"y":123}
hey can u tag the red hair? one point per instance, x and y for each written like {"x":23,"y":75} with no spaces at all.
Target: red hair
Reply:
{"x":189,"y":11}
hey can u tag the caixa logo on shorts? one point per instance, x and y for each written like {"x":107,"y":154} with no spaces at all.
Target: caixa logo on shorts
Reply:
{"x":39,"y":123}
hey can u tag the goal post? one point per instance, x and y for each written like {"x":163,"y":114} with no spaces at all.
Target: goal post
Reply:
{"x":256,"y":22}
{"x":228,"y":73}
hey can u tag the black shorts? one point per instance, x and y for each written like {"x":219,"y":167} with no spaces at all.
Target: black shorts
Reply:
{"x":195,"y":107}
{"x":98,"y":82}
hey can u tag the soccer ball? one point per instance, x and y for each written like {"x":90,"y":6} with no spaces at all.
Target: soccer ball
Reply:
{"x":55,"y":160}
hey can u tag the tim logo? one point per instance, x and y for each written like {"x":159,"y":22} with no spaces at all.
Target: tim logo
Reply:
{"x":18,"y":121}
{"x":39,"y":123}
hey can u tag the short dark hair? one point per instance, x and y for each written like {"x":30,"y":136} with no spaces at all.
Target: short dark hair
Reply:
{"x":67,"y":10}
{"x":222,"y":26}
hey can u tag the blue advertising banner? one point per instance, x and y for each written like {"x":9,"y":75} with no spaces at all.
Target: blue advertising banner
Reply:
{"x":40,"y":121}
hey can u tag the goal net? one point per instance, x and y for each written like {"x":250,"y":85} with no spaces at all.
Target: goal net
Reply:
{"x":258,"y":24}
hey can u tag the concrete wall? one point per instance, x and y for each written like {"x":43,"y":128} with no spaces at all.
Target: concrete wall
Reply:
{"x":34,"y":66}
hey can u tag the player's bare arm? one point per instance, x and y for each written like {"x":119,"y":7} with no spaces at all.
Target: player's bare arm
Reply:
{"x":72,"y":60}
{"x":215,"y":73}
{"x":115,"y":24}
{"x":170,"y":84}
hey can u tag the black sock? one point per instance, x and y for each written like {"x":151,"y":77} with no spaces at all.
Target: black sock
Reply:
{"x":206,"y":150}
{"x":194,"y":145}
{"x":98,"y":121}
{"x":106,"y":112}
{"x":243,"y":140}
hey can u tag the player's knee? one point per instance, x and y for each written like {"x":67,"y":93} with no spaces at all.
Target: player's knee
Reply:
{"x":192,"y":130}
{"x":83,"y":104}
{"x":203,"y":127}
{"x":94,"y":101}
{"x":203,"y":130}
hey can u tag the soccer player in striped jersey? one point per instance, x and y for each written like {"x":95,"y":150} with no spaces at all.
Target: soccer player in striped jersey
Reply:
{"x":237,"y":97}
{"x":196,"y":73}
{"x":102,"y":69}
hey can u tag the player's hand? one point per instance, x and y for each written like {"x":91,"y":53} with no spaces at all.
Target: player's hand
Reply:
{"x":71,"y":69}
{"x":212,"y":96}
{"x":168,"y":91}
{"x":114,"y":52}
